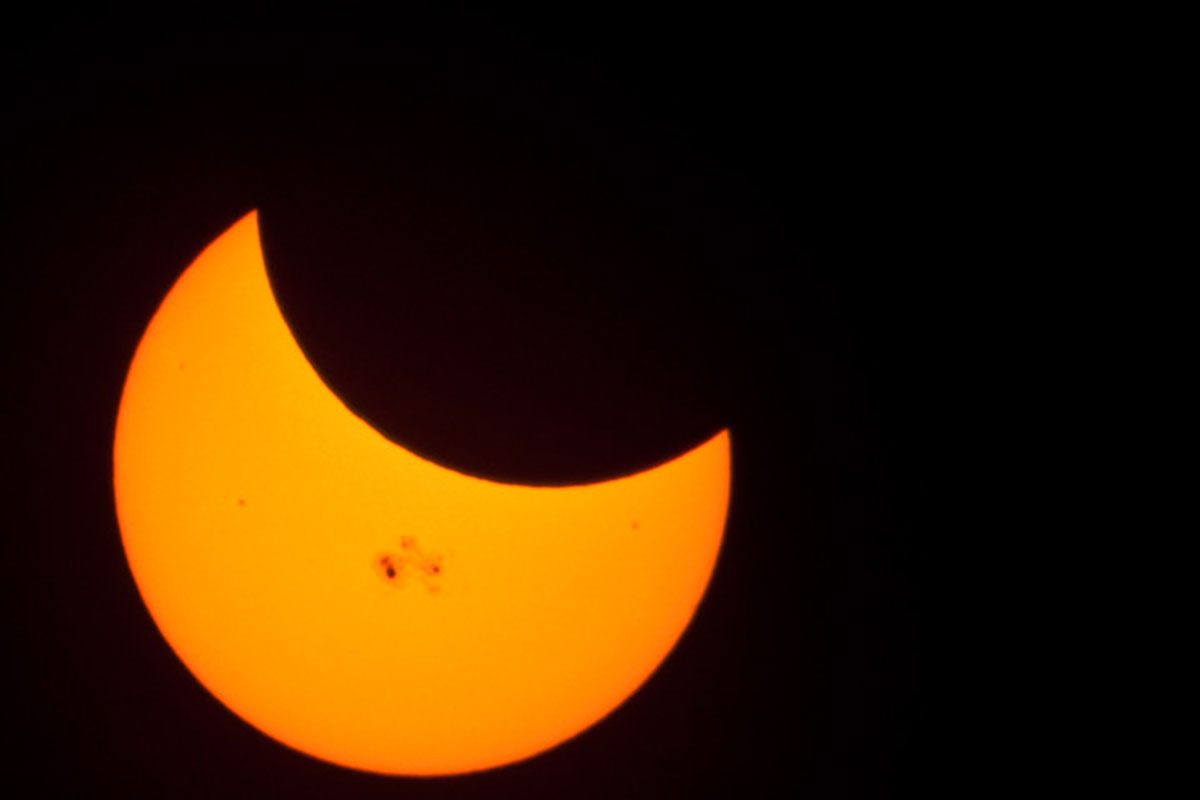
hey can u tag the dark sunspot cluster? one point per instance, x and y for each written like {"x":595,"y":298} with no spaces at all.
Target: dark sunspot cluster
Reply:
{"x":411,"y":563}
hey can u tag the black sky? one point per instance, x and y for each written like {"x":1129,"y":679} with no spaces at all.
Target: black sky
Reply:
{"x":543,"y":250}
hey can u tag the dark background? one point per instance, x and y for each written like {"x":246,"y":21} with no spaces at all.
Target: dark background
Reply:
{"x":543,"y":250}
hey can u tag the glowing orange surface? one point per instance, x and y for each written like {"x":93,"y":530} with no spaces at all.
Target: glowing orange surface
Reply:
{"x":361,"y":604}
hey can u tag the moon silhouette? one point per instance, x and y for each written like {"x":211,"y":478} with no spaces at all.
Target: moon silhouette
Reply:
{"x":359,"y":603}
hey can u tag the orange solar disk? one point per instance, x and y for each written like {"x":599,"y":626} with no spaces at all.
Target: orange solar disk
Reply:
{"x":357,"y":602}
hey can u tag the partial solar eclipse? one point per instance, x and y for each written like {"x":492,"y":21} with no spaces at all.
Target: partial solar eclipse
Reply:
{"x":359,"y":603}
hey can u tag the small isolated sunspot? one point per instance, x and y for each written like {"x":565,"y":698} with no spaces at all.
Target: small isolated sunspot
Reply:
{"x":359,"y":603}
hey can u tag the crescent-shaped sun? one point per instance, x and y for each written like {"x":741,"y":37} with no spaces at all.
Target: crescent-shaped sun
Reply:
{"x":359,"y":603}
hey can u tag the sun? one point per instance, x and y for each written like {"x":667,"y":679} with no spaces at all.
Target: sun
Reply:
{"x":361,"y":604}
